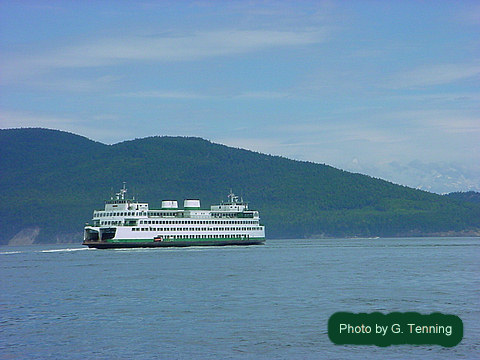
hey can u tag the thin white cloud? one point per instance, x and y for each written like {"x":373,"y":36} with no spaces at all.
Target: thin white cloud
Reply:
{"x":17,"y":119}
{"x":444,"y":121}
{"x":436,"y":75}
{"x":190,"y":47}
{"x":75,"y":84}
{"x":14,"y":119}
{"x":339,"y":131}
{"x":181,"y":95}
{"x":262,"y":95}
{"x":441,"y":98}
{"x":457,"y":124}
{"x":185,"y":95}
{"x":329,"y":142}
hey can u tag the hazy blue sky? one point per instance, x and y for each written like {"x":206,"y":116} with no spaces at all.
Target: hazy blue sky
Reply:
{"x":387,"y":88}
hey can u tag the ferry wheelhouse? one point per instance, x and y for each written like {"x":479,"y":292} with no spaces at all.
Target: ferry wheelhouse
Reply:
{"x":129,"y":223}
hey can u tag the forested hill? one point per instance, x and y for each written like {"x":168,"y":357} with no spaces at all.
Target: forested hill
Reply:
{"x":469,"y":196}
{"x":51,"y":181}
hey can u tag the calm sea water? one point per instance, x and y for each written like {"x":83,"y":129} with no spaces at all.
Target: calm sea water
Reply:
{"x":258,"y":302}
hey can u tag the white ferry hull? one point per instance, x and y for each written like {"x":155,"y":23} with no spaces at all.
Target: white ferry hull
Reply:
{"x":123,"y":238}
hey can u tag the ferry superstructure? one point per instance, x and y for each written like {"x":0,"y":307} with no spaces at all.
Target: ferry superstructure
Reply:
{"x":126,"y":223}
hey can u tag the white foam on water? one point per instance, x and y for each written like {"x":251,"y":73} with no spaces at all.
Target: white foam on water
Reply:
{"x":130,"y":249}
{"x":63,"y":250}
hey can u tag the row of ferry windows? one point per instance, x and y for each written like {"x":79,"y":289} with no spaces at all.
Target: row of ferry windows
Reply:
{"x":196,"y":229}
{"x":232,"y":236}
{"x":175,"y":222}
{"x":216,"y":222}
{"x":125,"y":213}
{"x":144,"y":213}
{"x":185,"y":222}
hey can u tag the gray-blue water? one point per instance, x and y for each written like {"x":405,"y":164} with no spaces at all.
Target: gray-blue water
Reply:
{"x":258,"y":302}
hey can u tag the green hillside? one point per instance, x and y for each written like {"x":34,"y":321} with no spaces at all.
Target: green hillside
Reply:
{"x":53,"y":180}
{"x":469,"y":196}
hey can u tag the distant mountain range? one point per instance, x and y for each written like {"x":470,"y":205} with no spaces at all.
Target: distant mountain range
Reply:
{"x":438,"y":177}
{"x":51,"y":182}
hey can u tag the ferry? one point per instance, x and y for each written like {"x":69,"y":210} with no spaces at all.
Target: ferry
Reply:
{"x":128,"y":223}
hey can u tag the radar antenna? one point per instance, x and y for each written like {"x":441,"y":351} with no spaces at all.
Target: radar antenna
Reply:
{"x":233,"y":198}
{"x":123,"y":191}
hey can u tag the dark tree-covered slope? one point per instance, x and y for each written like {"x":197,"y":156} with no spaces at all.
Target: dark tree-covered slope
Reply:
{"x":469,"y":196}
{"x":52,"y":180}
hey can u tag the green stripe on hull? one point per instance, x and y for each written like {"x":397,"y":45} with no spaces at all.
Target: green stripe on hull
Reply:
{"x":117,"y":241}
{"x":133,"y":243}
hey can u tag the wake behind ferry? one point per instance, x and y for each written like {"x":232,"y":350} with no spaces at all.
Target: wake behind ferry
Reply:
{"x":127,"y":223}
